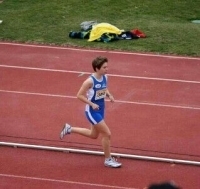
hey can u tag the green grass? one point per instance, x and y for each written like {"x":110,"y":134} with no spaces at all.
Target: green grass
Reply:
{"x":167,"y":23}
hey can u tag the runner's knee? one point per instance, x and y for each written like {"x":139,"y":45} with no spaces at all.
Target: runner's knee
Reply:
{"x":107,"y":135}
{"x":94,"y":136}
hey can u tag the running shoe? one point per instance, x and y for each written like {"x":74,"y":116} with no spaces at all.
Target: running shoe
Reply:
{"x":111,"y":162}
{"x":66,"y":130}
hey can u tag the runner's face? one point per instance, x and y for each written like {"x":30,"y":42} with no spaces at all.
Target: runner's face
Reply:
{"x":104,"y":68}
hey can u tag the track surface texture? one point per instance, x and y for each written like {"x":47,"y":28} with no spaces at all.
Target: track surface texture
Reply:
{"x":156,"y":114}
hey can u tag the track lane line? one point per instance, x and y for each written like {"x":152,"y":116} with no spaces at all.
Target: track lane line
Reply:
{"x":117,"y":101}
{"x":104,"y":51}
{"x":63,"y":181}
{"x":88,"y":73}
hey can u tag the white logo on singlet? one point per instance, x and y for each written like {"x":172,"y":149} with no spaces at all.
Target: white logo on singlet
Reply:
{"x":98,"y":86}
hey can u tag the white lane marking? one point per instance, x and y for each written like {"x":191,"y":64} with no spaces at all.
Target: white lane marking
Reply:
{"x":63,"y":181}
{"x":118,"y":101}
{"x":112,"y":75}
{"x":103,"y":51}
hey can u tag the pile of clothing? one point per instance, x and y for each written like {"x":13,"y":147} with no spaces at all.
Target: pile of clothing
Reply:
{"x":104,"y":32}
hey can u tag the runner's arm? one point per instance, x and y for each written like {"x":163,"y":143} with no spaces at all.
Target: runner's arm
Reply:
{"x":81,"y":95}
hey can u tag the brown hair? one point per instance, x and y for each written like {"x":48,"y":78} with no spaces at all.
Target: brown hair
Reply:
{"x":98,"y":62}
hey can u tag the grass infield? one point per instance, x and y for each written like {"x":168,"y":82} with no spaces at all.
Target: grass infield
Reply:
{"x":167,"y":23}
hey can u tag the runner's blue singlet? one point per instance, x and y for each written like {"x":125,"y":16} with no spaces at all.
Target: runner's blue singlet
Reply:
{"x":96,"y":94}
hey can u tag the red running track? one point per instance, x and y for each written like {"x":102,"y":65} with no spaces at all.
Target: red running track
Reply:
{"x":157,"y":107}
{"x":35,"y":169}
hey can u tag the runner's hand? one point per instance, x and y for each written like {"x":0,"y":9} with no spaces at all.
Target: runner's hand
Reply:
{"x":95,"y":106}
{"x":111,"y":98}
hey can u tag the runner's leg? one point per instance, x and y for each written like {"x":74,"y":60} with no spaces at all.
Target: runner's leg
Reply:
{"x":102,"y":128}
{"x":90,"y":133}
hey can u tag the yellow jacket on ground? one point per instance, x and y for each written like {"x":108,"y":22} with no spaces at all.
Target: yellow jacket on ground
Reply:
{"x":99,"y":29}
